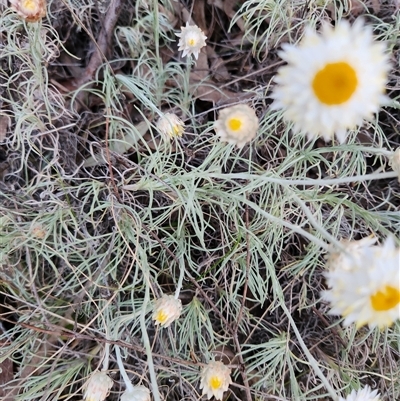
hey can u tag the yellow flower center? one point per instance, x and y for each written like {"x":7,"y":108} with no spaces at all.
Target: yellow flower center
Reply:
{"x":215,"y":382}
{"x":177,"y":130}
{"x":191,"y":42}
{"x":29,"y":5}
{"x":385,"y":299}
{"x":161,"y":316}
{"x":234,"y":124}
{"x":335,"y":83}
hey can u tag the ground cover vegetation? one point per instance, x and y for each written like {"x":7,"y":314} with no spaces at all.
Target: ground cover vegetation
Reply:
{"x":153,"y":245}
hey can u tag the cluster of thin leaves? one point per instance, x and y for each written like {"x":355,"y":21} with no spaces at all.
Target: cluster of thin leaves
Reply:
{"x":99,"y":215}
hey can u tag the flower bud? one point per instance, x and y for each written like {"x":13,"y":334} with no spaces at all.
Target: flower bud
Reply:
{"x":29,"y":10}
{"x":97,"y":387}
{"x":166,"y":310}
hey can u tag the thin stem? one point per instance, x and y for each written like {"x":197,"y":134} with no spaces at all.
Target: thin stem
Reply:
{"x":316,"y":225}
{"x":310,"y":358}
{"x":321,"y":182}
{"x":286,"y":224}
{"x":128,"y":383}
{"x":106,"y":359}
{"x":107,"y":345}
{"x":180,"y":280}
{"x":146,"y":342}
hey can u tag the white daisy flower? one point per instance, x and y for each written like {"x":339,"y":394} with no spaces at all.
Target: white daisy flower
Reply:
{"x":332,"y":81}
{"x":215,"y":379}
{"x":192,"y":39}
{"x":366,"y":394}
{"x":394,"y":162}
{"x":170,"y":126}
{"x":341,"y":260}
{"x":97,"y":387}
{"x":237,"y":124}
{"x":29,"y":10}
{"x":364,"y":283}
{"x":137,"y":393}
{"x":166,"y":310}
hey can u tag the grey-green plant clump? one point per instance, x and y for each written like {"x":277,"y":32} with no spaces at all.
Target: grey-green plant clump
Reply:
{"x":144,"y":257}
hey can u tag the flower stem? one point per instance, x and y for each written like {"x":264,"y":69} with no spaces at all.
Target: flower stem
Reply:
{"x":310,"y":358}
{"x":146,"y":341}
{"x":106,"y":357}
{"x":128,"y":383}
{"x":180,"y":280}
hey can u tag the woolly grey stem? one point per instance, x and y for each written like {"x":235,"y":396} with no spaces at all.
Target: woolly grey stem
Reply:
{"x":146,"y":343}
{"x":311,"y":359}
{"x":180,"y":280}
{"x":128,"y":383}
{"x":106,"y":357}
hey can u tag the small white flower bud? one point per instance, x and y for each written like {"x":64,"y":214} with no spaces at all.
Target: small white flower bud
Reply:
{"x":29,"y":10}
{"x":97,"y":387}
{"x":215,"y":379}
{"x":137,"y":393}
{"x":237,"y":124}
{"x":170,"y":126}
{"x":166,"y":310}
